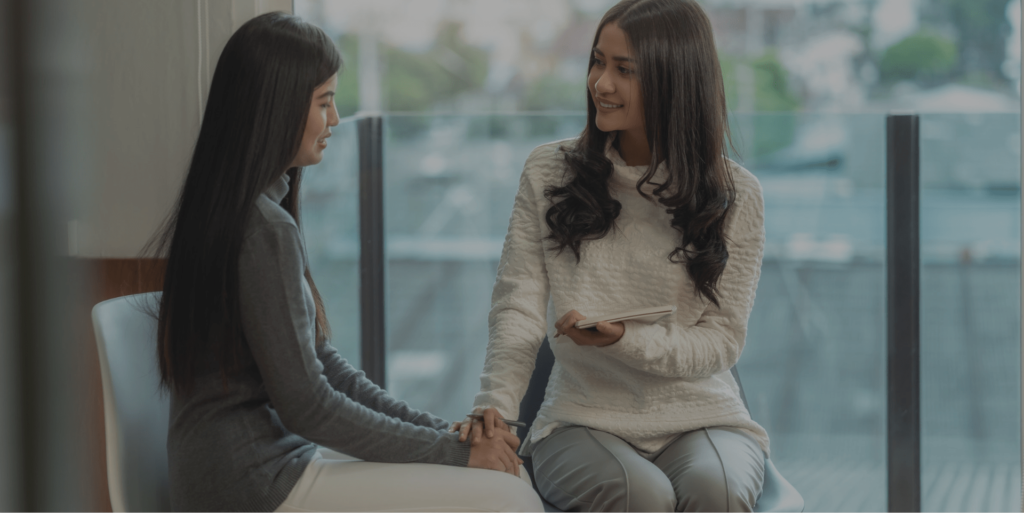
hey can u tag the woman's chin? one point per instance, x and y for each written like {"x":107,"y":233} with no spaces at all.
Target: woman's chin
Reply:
{"x":603,"y":124}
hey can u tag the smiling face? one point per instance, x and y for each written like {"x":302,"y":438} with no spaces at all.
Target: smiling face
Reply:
{"x":613,"y":83}
{"x":322,"y":116}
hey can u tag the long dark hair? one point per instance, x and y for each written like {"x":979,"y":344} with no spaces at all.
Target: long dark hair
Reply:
{"x":251,"y":131}
{"x":686,"y":123}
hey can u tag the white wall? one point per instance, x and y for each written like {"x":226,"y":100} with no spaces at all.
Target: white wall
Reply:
{"x":153,"y":62}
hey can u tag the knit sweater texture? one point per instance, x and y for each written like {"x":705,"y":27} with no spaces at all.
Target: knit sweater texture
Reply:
{"x":659,"y":380}
{"x":242,"y":444}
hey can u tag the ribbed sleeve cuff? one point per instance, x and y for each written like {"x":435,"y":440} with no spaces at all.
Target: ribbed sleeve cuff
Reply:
{"x":457,"y":454}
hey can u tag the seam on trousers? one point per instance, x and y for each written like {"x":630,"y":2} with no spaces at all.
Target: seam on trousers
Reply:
{"x":542,"y":475}
{"x":616,"y":458}
{"x":559,"y":488}
{"x":725,"y":475}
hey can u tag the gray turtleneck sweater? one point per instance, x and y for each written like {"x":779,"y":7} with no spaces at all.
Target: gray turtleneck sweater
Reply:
{"x":243,"y":444}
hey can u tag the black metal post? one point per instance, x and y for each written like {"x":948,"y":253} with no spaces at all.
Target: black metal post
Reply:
{"x":903,"y":316}
{"x":371,"y":241}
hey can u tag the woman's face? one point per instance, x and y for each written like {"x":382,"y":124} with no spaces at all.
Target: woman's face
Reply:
{"x":613,"y":83}
{"x":322,"y":116}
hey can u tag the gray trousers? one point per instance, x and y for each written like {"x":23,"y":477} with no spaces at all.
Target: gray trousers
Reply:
{"x":713,"y":469}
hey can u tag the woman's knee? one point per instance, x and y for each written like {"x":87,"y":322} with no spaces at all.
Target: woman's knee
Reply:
{"x":609,"y":488}
{"x":706,"y":488}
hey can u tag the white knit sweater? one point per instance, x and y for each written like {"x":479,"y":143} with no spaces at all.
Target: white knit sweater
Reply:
{"x":658,"y":380}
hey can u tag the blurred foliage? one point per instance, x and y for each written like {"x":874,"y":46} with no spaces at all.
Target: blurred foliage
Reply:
{"x":346,"y":96}
{"x":924,"y":56}
{"x":417,"y":81}
{"x":552,"y":92}
{"x":771,"y":82}
{"x":760,"y":135}
{"x":979,"y":28}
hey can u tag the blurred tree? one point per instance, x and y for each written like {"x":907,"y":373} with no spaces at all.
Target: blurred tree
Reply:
{"x":417,"y":81}
{"x":924,"y":56}
{"x":346,"y":96}
{"x":981,"y":28}
{"x":771,"y":81}
{"x":552,"y":92}
{"x":771,"y":94}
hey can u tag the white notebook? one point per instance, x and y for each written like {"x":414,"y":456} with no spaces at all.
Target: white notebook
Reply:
{"x":650,"y":315}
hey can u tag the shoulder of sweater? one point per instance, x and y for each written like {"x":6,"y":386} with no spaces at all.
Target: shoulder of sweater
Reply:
{"x":744,"y":181}
{"x":266,"y":213}
{"x":546,"y":162}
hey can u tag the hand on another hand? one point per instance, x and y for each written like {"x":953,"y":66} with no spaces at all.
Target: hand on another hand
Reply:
{"x":496,"y":453}
{"x":607,"y":333}
{"x":476,"y":427}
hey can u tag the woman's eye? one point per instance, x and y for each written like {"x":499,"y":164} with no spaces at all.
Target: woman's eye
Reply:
{"x":625,"y":71}
{"x":598,"y":62}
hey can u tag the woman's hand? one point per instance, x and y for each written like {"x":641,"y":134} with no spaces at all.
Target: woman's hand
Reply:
{"x":497,"y":453}
{"x":475,"y":427}
{"x":607,"y":332}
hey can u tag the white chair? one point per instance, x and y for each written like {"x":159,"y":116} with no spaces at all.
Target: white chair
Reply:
{"x":135,"y":409}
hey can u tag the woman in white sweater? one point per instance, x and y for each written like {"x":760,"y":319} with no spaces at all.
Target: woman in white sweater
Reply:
{"x":642,"y":209}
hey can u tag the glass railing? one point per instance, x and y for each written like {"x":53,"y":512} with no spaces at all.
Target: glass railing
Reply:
{"x":970,"y":312}
{"x":448,"y":191}
{"x":814,"y":365}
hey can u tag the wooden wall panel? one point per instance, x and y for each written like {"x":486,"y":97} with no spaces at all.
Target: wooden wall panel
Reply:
{"x":109,"y":278}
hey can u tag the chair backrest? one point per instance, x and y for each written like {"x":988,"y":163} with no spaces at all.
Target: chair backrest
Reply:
{"x":135,"y":409}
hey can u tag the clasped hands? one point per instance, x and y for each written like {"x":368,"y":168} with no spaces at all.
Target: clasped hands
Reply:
{"x":492,"y":443}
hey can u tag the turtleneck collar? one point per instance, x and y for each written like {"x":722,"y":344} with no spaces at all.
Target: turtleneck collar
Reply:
{"x":613,"y":155}
{"x":279,"y":189}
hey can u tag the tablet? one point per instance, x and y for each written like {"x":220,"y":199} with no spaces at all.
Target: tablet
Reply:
{"x":649,"y":315}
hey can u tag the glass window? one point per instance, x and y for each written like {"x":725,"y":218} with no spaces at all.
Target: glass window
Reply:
{"x":813,"y":367}
{"x":330,"y":223}
{"x":970,"y":312}
{"x":449,"y":186}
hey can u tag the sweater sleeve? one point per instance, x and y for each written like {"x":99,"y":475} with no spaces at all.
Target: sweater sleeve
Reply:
{"x":278,"y":323}
{"x":517,"y":320}
{"x":714,"y":343}
{"x":346,"y":379}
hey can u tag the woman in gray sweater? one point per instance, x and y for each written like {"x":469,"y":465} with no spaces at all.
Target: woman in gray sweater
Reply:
{"x":261,"y":404}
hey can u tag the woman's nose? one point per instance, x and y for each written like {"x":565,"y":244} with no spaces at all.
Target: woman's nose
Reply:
{"x":604,"y":84}
{"x":332,"y":117}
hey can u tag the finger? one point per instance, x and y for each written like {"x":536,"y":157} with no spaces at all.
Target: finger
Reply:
{"x":477,"y":428}
{"x":558,"y":326}
{"x":490,"y":416}
{"x":464,"y":431}
{"x":566,"y":321}
{"x":579,"y":317}
{"x":506,"y":461}
{"x":513,"y":461}
{"x":511,"y":439}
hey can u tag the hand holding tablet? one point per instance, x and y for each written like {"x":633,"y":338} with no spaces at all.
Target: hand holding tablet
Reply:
{"x":650,"y":315}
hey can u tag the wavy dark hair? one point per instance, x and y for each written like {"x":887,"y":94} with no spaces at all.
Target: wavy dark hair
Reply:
{"x":685,"y":119}
{"x":251,"y":131}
